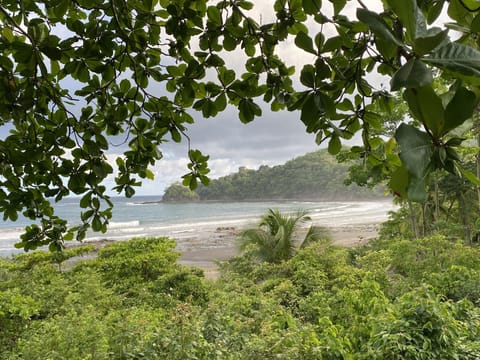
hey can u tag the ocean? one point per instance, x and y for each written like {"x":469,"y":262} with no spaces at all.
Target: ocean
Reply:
{"x":146,"y":216}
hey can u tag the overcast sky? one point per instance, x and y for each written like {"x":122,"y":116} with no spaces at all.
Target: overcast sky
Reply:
{"x":270,"y":140}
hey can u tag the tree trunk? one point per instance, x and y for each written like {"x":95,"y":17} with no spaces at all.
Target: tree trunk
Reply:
{"x":413,"y":220}
{"x":465,"y":219}
{"x":478,"y":173}
{"x":437,"y":201}
{"x":424,"y":220}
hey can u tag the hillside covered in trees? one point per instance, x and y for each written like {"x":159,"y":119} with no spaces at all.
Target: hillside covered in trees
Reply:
{"x":314,"y":176}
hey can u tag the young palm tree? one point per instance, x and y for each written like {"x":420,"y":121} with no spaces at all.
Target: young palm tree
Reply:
{"x":275,"y":239}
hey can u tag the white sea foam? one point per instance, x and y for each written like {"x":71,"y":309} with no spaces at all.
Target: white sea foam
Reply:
{"x":187,"y":221}
{"x":114,"y":237}
{"x":147,"y":203}
{"x":125,"y":224}
{"x":10,"y":234}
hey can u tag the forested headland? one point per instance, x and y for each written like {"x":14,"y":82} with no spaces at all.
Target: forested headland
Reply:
{"x":314,"y":176}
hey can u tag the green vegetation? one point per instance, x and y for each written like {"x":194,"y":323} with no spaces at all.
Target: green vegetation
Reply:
{"x":316,"y":175}
{"x":179,"y":193}
{"x":451,"y":206}
{"x":138,"y":71}
{"x":76,"y":76}
{"x":276,"y":237}
{"x":402,"y":299}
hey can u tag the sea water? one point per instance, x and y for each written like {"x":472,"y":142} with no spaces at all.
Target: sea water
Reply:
{"x":147,"y":216}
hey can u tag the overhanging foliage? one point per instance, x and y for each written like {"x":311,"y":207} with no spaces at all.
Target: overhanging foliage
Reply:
{"x":74,"y":75}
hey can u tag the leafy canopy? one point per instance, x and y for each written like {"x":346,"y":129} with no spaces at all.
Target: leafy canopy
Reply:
{"x":78,"y":77}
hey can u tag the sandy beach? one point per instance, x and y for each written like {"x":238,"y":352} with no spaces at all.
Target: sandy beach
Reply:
{"x":205,"y":248}
{"x":204,"y":244}
{"x":219,"y":244}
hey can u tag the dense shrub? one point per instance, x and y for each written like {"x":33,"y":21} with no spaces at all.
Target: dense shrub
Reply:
{"x":393,"y":299}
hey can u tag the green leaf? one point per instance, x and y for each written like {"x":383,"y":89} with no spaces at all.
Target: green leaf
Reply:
{"x":129,"y":191}
{"x":248,"y":110}
{"x":399,"y":182}
{"x":61,"y":8}
{"x":22,"y":52}
{"x":455,"y":141}
{"x":427,"y":107}
{"x":309,"y":114}
{"x":377,"y":25}
{"x":209,"y":109}
{"x":471,"y":5}
{"x":416,"y":149}
{"x":6,"y":63}
{"x":470,"y":176}
{"x":175,"y":135}
{"x":424,"y":45}
{"x":411,"y":75}
{"x":229,"y":43}
{"x":338,"y":6}
{"x":221,"y":102}
{"x":214,"y":15}
{"x":417,"y":189}
{"x":8,"y":34}
{"x":142,"y":78}
{"x":96,"y":223}
{"x":434,"y":12}
{"x":312,"y":7}
{"x":149,"y":174}
{"x":345,"y":105}
{"x":176,"y":71}
{"x":410,"y":16}
{"x":226,"y":76}
{"x":307,"y":76}
{"x":334,"y":145}
{"x":247,"y":5}
{"x":304,"y":42}
{"x":456,"y":57}
{"x":124,"y":86}
{"x":11,"y":213}
{"x":190,"y":181}
{"x":249,"y":46}
{"x":459,"y":109}
{"x":85,"y":200}
{"x":332,"y":44}
{"x":475,"y":26}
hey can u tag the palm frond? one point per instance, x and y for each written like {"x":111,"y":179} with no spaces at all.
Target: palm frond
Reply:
{"x":315,"y":234}
{"x":274,"y":238}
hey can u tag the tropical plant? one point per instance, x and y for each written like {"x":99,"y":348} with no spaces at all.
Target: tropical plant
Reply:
{"x":404,"y":299}
{"x":275,"y":239}
{"x":76,"y":74}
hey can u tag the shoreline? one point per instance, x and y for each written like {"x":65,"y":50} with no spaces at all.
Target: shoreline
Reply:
{"x":220,"y":245}
{"x":207,"y":248}
{"x":279,"y":200}
{"x":203,"y":244}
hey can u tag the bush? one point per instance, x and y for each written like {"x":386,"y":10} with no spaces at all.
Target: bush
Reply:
{"x":393,"y":299}
{"x":421,"y":325}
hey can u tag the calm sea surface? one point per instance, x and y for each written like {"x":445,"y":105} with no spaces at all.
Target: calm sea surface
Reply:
{"x":145,"y":216}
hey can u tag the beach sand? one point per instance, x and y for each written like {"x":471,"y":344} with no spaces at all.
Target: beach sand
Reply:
{"x":204,"y":245}
{"x":219,"y":244}
{"x":206,"y":248}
